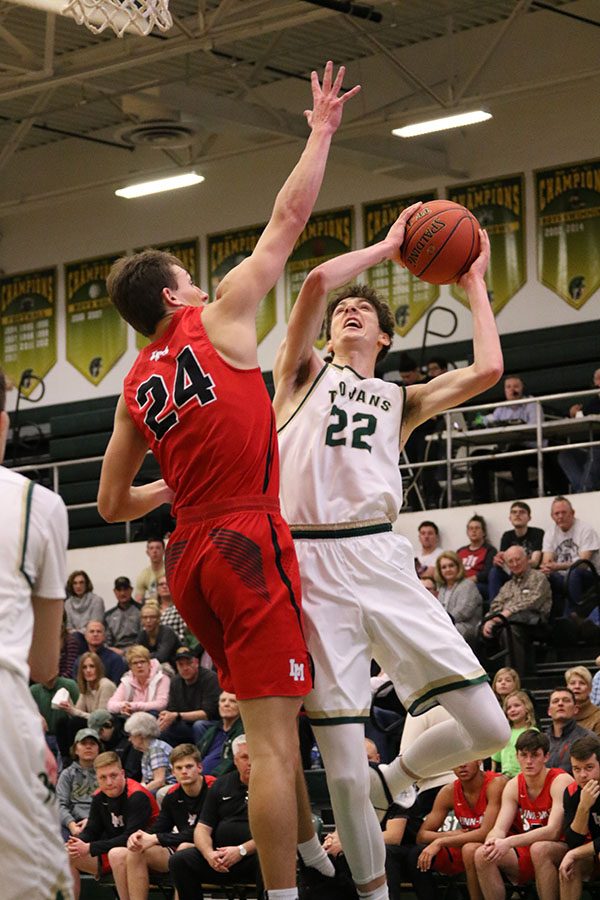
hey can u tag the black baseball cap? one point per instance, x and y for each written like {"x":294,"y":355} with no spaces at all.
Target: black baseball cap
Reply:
{"x":184,"y":653}
{"x":122,"y":582}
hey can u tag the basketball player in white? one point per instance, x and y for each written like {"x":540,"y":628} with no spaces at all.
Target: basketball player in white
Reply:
{"x":33,"y":536}
{"x":340,"y":430}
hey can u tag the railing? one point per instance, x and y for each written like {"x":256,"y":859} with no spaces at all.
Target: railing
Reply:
{"x":454,"y":436}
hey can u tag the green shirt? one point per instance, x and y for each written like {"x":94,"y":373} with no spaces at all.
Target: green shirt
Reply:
{"x":507,"y":757}
{"x":43,"y":698}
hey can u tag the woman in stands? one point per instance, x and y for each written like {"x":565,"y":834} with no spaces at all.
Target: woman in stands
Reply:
{"x":144,"y":688}
{"x":478,"y":555}
{"x":82,"y":605}
{"x":94,"y":693}
{"x":459,"y":596}
{"x":519,"y":711}
{"x":143,"y":732}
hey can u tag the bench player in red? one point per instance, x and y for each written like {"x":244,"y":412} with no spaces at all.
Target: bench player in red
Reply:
{"x":196,"y":397}
{"x":475,"y":798}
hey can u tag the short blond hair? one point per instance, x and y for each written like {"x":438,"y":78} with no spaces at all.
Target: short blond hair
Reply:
{"x":108,"y":758}
{"x":137,"y":651}
{"x":580,"y":671}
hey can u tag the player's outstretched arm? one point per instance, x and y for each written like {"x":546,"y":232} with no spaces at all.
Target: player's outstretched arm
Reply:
{"x":118,"y":500}
{"x":296,"y":353}
{"x":243,"y":287}
{"x":456,"y":387}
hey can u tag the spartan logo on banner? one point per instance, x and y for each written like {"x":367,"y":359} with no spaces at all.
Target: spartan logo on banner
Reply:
{"x":187,"y":252}
{"x":325,"y":235}
{"x":499,"y":205}
{"x":96,"y":333}
{"x":568,"y":230}
{"x":28,"y":326}
{"x":225,"y":251}
{"x":408,"y":297}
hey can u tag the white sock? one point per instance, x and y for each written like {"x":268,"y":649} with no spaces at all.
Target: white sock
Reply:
{"x":312,"y":854}
{"x":284,"y":894}
{"x":380,"y":893}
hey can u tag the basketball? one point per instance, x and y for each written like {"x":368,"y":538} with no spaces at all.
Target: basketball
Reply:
{"x":441,"y":242}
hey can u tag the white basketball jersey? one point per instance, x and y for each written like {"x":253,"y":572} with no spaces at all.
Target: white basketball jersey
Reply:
{"x":339,"y":451}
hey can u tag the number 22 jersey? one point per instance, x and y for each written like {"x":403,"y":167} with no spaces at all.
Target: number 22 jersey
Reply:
{"x":209,"y":424}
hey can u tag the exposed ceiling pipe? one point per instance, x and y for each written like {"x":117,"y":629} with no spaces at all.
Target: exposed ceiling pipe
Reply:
{"x":358,"y":10}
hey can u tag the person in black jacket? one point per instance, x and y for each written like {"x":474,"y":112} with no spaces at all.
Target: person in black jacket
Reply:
{"x":193,"y":701}
{"x":150,"y":849}
{"x":160,"y":640}
{"x":582,"y":819}
{"x":119,"y":807}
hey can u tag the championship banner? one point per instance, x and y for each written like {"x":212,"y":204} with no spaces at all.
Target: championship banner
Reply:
{"x":568,"y":230}
{"x":499,"y":205}
{"x":409,"y":297}
{"x":96,"y":333}
{"x":187,"y":252}
{"x":325,"y":235}
{"x":225,"y":251}
{"x":28,"y":326}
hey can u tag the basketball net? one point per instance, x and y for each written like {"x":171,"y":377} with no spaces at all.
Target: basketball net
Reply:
{"x":140,"y":16}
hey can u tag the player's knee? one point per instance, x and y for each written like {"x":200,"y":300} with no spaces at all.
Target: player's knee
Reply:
{"x":348,"y":787}
{"x":489,"y":731}
{"x":117,"y":856}
{"x":468,"y":853}
{"x":481,"y":861}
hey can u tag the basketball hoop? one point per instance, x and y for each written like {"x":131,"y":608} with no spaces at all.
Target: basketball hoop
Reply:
{"x":139,"y":16}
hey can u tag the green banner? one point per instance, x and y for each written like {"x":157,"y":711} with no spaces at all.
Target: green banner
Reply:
{"x":186,"y":251}
{"x":96,"y":333}
{"x":225,"y":251}
{"x":409,"y":297}
{"x":28,"y":326}
{"x":568,"y":230}
{"x":326,"y":234}
{"x":499,"y":205}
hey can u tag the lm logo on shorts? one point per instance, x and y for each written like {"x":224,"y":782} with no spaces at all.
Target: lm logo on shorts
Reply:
{"x":296,"y":670}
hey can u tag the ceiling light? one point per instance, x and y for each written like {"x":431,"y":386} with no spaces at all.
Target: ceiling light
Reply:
{"x":159,"y":185}
{"x":443,"y":124}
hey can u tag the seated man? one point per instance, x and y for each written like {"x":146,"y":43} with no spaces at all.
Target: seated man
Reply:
{"x":582,"y":465}
{"x":146,"y":584}
{"x":161,"y":641}
{"x":582,"y":820}
{"x":224,"y":852}
{"x":57,"y":737}
{"x":429,"y":550}
{"x":531,"y":803}
{"x":563,"y":730}
{"x":525,"y":600}
{"x":119,"y":807}
{"x":475,"y":799}
{"x":193,"y":700}
{"x":150,"y":849}
{"x":579,"y":679}
{"x":521,"y":533}
{"x":114,"y":664}
{"x":216,"y":745}
{"x":123,"y":620}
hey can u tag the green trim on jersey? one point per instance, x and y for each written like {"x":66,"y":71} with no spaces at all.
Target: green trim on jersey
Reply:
{"x":25,"y":526}
{"x":338,"y":720}
{"x":335,"y":533}
{"x":415,"y":707}
{"x":306,"y":396}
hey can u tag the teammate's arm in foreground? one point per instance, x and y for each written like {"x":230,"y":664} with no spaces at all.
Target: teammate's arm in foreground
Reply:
{"x":297,"y":361}
{"x":459,"y":385}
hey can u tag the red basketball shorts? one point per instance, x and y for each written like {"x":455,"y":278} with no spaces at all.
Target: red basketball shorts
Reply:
{"x":449,"y":861}
{"x":526,"y":870}
{"x":234,"y":577}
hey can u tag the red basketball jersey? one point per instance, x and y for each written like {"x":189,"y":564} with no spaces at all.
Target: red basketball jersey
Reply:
{"x":534,"y":813}
{"x":209,"y":424}
{"x":470,"y":817}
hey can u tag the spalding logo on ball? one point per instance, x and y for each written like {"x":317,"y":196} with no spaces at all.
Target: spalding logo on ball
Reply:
{"x":441,"y":242}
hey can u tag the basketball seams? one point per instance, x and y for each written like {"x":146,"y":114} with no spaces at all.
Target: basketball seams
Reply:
{"x":440,"y":249}
{"x":455,"y":243}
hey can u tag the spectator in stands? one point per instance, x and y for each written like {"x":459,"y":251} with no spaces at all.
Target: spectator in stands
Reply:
{"x":224,"y":851}
{"x":81,"y":604}
{"x":94,"y":692}
{"x":533,"y":801}
{"x":216,"y":745}
{"x":161,"y":641}
{"x":123,"y":620}
{"x":146,"y":584}
{"x":582,"y":819}
{"x":579,"y":679}
{"x":569,"y":540}
{"x":506,"y":680}
{"x":114,"y":664}
{"x":437,"y":365}
{"x":475,"y":798}
{"x":581,"y":465}
{"x":169,"y":614}
{"x":427,"y":556}
{"x":478,"y":555}
{"x":193,"y":700}
{"x":143,"y":732}
{"x":595,"y":694}
{"x":520,"y":713}
{"x":458,"y":595}
{"x":563,"y":730}
{"x":71,"y":645}
{"x":430,"y":584}
{"x":78,"y":783}
{"x":43,"y":693}
{"x":521,"y":533}
{"x":417,"y":447}
{"x":145,"y":688}
{"x":113,"y":737}
{"x":120,"y":807}
{"x":149,"y":851}
{"x":525,"y":600}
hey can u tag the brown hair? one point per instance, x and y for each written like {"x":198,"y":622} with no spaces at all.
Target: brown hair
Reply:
{"x":88,"y":582}
{"x":135,"y":285}
{"x":108,"y":758}
{"x":532,"y":740}
{"x":384,"y":313}
{"x":183,"y":750}
{"x":584,"y":747}
{"x":82,"y":684}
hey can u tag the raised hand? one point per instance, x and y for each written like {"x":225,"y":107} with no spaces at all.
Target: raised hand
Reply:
{"x":327,"y":110}
{"x":395,"y":235}
{"x":479,"y":267}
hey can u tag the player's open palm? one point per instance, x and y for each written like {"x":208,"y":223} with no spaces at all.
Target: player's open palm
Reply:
{"x":328,"y":107}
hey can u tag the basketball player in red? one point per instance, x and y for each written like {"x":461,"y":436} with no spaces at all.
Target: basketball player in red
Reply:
{"x":475,"y":798}
{"x":532,"y":803}
{"x":196,"y":397}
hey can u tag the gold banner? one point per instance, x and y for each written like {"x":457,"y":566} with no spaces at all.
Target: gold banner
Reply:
{"x":28,"y":326}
